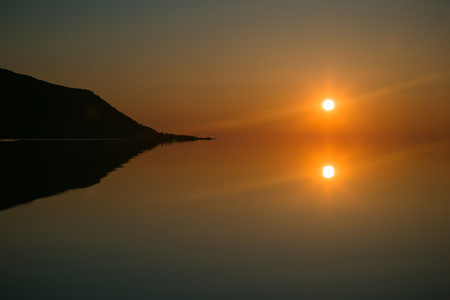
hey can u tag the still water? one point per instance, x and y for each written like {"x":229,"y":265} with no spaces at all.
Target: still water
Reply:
{"x":225,"y":220}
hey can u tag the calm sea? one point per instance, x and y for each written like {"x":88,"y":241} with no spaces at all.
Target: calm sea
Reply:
{"x":225,"y":220}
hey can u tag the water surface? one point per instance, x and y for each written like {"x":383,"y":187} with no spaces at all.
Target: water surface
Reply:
{"x":229,"y":220}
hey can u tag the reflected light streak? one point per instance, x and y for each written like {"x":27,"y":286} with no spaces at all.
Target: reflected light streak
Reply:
{"x":243,"y":186}
{"x":307,"y":175}
{"x":405,"y":153}
{"x":316,"y":182}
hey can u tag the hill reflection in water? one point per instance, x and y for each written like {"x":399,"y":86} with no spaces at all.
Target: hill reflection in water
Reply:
{"x":232,"y":220}
{"x":35,"y":169}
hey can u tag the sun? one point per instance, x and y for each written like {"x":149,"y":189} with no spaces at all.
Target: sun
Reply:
{"x":328,"y":104}
{"x":328,"y":171}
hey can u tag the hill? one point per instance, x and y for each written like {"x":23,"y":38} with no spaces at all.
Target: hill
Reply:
{"x":35,"y":109}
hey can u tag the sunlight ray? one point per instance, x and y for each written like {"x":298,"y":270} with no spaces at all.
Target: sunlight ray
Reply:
{"x":401,"y":86}
{"x":274,"y":114}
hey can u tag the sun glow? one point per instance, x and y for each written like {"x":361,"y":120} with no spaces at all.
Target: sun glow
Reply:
{"x":328,"y":171}
{"x":328,"y":104}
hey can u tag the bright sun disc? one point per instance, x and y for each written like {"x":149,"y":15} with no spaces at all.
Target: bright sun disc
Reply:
{"x":328,"y":171}
{"x":328,"y":104}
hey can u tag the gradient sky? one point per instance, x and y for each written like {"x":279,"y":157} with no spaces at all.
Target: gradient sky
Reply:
{"x":226,"y":68}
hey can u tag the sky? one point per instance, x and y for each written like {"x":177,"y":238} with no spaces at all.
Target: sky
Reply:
{"x":245,"y":68}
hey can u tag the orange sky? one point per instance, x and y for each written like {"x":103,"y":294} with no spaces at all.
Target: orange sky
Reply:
{"x":245,"y":68}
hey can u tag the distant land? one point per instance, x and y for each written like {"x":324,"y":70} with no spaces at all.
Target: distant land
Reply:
{"x":35,"y":109}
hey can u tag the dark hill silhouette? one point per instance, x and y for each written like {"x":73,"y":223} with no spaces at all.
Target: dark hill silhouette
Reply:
{"x":32,"y":108}
{"x":35,"y":169}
